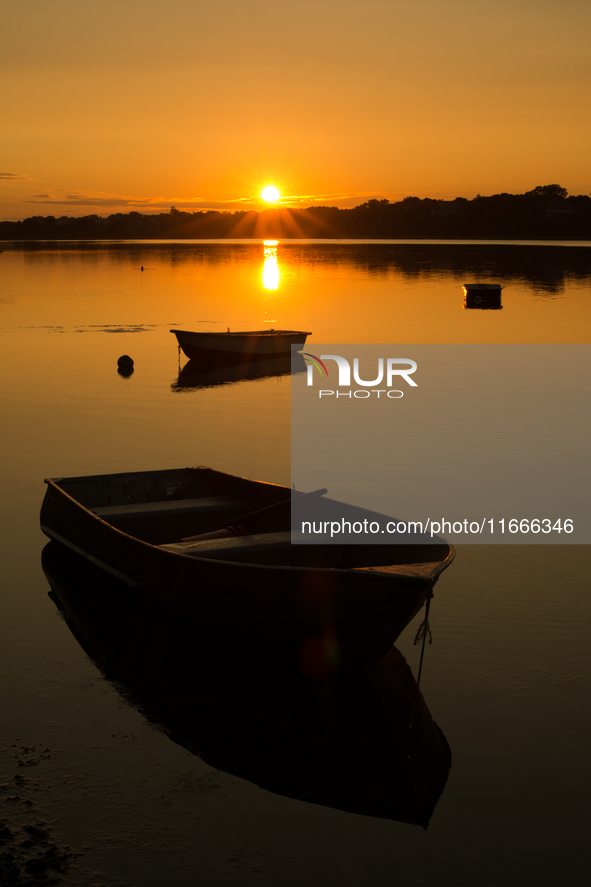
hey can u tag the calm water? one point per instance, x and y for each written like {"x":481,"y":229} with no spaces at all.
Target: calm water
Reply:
{"x":507,"y":677}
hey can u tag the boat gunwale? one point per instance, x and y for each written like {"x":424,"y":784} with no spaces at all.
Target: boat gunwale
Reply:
{"x":245,"y":334}
{"x":487,"y":287}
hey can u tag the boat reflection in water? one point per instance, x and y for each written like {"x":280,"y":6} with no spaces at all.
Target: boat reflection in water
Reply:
{"x":303,"y":729}
{"x":194,"y":376}
{"x":486,"y":296}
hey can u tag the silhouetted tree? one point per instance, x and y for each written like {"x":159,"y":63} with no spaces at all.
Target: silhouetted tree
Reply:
{"x":548,"y":191}
{"x":374,"y":203}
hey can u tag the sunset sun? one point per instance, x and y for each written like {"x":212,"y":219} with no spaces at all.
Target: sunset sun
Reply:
{"x":270,"y":194}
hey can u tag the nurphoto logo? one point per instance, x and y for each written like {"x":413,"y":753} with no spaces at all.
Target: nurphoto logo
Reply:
{"x":399,"y":367}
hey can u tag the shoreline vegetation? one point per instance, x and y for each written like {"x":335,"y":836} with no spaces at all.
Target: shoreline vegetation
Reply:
{"x":546,"y":212}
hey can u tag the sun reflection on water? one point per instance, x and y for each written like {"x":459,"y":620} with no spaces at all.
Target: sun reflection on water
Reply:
{"x":270,"y":265}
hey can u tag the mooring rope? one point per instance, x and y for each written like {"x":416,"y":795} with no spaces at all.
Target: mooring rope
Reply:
{"x":423,"y":631}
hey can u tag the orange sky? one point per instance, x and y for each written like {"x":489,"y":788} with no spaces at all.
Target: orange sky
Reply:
{"x":145,"y":104}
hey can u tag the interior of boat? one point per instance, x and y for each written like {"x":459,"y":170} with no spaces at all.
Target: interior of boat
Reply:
{"x":200,"y":512}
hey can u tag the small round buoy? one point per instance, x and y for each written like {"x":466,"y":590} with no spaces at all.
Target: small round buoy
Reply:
{"x":125,"y":366}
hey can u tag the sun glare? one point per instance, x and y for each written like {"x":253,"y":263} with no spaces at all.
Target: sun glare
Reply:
{"x":271,"y":265}
{"x":270,"y":194}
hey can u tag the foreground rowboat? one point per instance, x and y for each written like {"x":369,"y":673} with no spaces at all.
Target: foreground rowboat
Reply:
{"x":347,"y":601}
{"x":239,"y":347}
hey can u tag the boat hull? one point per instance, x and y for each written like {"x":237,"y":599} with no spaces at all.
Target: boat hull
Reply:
{"x":359,"y":612}
{"x":214,"y":349}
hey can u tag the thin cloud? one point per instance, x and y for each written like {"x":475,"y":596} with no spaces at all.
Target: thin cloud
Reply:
{"x":342,"y":199}
{"x":14,"y":177}
{"x":154,"y":205}
{"x":78,"y":199}
{"x":110,"y":203}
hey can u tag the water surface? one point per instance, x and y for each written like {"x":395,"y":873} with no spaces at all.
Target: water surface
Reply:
{"x":506,"y":677}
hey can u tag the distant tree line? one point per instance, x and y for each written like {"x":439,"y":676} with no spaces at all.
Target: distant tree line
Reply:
{"x":546,"y":212}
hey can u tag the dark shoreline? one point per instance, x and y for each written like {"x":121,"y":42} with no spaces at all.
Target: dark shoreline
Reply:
{"x":545,"y":213}
{"x":540,"y":240}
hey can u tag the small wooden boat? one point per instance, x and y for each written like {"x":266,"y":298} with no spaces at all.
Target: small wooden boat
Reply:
{"x":239,"y":347}
{"x":320,"y":599}
{"x":482,"y":295}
